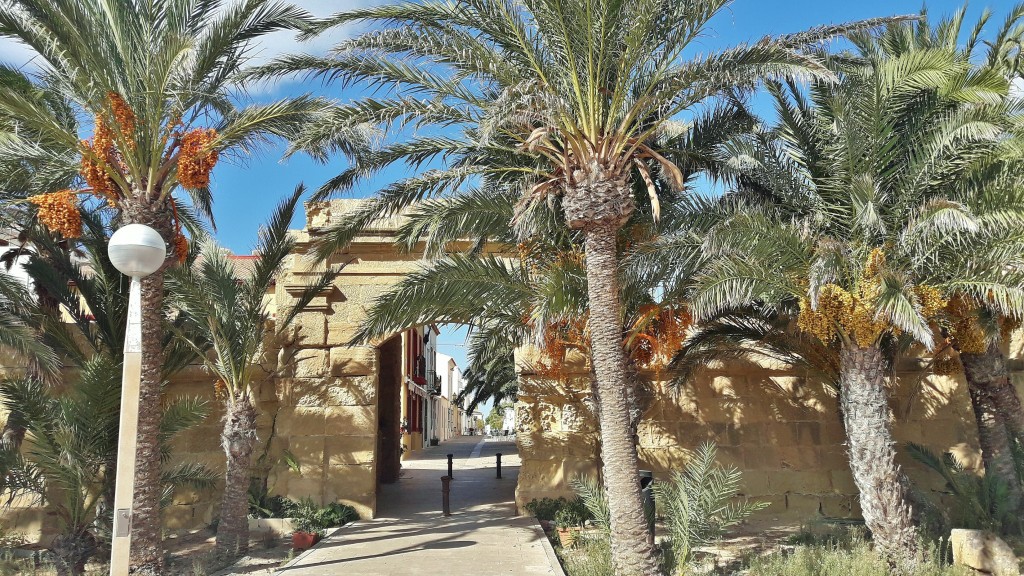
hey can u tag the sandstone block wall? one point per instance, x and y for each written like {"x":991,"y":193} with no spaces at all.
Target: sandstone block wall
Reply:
{"x":781,"y":429}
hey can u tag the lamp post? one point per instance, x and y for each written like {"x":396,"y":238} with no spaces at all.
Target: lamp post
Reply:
{"x":136,"y":251}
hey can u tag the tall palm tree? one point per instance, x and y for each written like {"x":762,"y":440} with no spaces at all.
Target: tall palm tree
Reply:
{"x":233,"y":317}
{"x":985,"y":366}
{"x":992,"y":192}
{"x":159,"y":79}
{"x":81,"y":282}
{"x":864,"y":172}
{"x":555,"y":100}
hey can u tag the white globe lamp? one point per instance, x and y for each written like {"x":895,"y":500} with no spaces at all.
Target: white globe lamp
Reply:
{"x":137,"y":250}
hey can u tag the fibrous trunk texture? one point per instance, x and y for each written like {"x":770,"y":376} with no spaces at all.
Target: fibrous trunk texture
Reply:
{"x":71,"y":552}
{"x":988,"y":372}
{"x":147,"y":546}
{"x":994,"y":441}
{"x":883,"y":497}
{"x":238,"y":440}
{"x":631,"y":551}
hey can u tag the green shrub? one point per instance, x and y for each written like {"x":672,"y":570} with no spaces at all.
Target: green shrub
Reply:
{"x":310,"y":517}
{"x":697,"y":504}
{"x":271,"y":506}
{"x":978,"y":502}
{"x":856,"y":560}
{"x":573,"y":514}
{"x":545,"y":508}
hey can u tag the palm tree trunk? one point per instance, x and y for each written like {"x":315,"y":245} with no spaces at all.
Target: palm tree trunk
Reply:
{"x":996,"y":451}
{"x":988,"y":372}
{"x":147,"y":542}
{"x":71,"y":552}
{"x":631,"y":552}
{"x":238,"y":440}
{"x":883,"y":497}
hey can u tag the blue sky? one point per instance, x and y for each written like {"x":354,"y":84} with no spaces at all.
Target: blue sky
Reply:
{"x":247,"y":191}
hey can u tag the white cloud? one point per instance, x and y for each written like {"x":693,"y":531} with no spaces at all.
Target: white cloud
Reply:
{"x":1017,"y":88}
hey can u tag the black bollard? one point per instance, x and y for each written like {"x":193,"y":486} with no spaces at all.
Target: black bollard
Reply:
{"x":450,"y":456}
{"x":499,"y":465}
{"x":446,"y":483}
{"x":647,"y":491}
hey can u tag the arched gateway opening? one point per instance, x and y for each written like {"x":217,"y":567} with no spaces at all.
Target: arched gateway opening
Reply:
{"x":389,"y":416}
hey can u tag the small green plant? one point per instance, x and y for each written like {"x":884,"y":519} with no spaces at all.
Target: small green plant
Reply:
{"x":573,"y":515}
{"x":978,"y":502}
{"x":590,"y":494}
{"x":697,"y":503}
{"x":270,"y":506}
{"x":545,"y":508}
{"x":312,"y":518}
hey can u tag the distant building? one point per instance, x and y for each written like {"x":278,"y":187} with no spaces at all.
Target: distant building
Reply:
{"x":420,"y":384}
{"x":448,"y":410}
{"x":508,"y":426}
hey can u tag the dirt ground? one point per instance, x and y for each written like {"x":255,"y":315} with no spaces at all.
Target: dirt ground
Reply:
{"x":193,"y":555}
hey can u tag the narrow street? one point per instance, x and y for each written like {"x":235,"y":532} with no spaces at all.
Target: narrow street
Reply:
{"x":412,"y":536}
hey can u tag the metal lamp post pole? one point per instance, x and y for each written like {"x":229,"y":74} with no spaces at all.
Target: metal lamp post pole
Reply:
{"x":124,"y":488}
{"x":136,"y":251}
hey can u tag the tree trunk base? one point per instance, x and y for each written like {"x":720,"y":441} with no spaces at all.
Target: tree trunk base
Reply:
{"x":883,"y":497}
{"x":71,"y":552}
{"x":238,"y":440}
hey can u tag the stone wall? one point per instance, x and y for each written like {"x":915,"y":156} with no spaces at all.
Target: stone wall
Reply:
{"x":318,"y":401}
{"x":782,"y":429}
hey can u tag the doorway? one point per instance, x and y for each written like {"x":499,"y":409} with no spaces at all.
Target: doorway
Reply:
{"x":389,"y":397}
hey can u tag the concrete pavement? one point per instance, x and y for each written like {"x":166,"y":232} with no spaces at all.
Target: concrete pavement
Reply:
{"x":411,"y":536}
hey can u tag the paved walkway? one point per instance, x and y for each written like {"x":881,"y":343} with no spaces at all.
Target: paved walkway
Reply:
{"x":411,"y":536}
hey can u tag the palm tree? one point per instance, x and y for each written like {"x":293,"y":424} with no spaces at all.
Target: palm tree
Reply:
{"x":553,"y":100}
{"x":985,"y":365}
{"x":992,"y":192}
{"x":233,"y":316}
{"x":862,"y":175}
{"x":159,"y":80}
{"x":19,"y":174}
{"x":16,"y":334}
{"x":81,"y":282}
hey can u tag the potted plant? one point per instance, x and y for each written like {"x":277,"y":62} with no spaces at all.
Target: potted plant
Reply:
{"x":568,"y":522}
{"x":311,"y":521}
{"x":303,"y":540}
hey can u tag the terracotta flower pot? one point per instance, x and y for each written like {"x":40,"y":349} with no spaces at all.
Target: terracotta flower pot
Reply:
{"x":304,"y":540}
{"x":567,"y":536}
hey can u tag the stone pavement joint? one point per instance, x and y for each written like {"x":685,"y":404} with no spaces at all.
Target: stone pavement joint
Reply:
{"x":411,"y":536}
